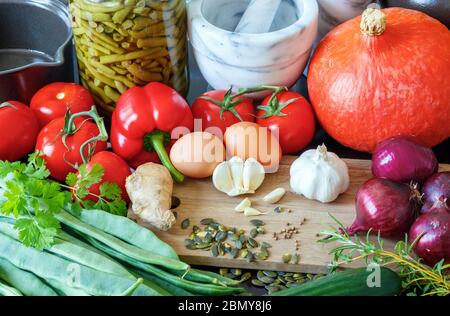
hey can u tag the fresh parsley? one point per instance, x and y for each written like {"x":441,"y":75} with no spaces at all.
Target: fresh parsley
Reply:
{"x":27,"y":194}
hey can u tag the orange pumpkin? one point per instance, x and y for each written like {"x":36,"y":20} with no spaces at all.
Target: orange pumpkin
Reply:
{"x":384,"y":74}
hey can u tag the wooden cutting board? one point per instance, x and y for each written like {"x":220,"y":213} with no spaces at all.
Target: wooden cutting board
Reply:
{"x":199,"y":199}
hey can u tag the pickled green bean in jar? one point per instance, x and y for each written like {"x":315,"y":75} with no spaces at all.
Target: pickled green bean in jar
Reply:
{"x":125,"y":43}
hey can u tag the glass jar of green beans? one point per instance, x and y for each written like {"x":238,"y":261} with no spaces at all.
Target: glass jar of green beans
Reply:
{"x":125,"y":43}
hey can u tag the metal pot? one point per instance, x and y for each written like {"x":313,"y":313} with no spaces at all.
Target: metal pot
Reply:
{"x":35,"y":47}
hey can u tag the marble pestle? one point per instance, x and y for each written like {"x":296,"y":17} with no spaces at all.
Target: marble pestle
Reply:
{"x":259,"y":17}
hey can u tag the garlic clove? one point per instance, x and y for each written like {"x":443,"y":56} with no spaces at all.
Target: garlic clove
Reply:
{"x":274,"y":196}
{"x":240,"y":208}
{"x":253,"y":174}
{"x":236,"y":165}
{"x":222,"y":178}
{"x":250,"y":211}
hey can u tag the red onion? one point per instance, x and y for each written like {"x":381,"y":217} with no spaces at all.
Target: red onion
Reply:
{"x":386,"y":207}
{"x":403,"y":159}
{"x":435,"y":188}
{"x":434,"y":244}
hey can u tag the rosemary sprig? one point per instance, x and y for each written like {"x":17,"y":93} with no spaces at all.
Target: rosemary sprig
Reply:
{"x":418,"y":278}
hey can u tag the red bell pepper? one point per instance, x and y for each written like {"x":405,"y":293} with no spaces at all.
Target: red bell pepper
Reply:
{"x":142,"y":124}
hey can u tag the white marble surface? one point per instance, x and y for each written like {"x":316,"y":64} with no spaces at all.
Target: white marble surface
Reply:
{"x":227,"y":58}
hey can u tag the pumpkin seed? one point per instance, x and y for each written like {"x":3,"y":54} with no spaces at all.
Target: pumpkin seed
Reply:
{"x":266,"y":279}
{"x":252,"y":243}
{"x":223,"y":228}
{"x":257,"y":222}
{"x":205,"y":246}
{"x":261,"y":230}
{"x":286,"y":258}
{"x":246,"y":276}
{"x":233,"y":236}
{"x":281,"y":279}
{"x":213,"y":226}
{"x":292,"y":284}
{"x":236,"y":272}
{"x":244,"y":253}
{"x":185,"y":224}
{"x":265,"y":245}
{"x":289,"y":279}
{"x":207,"y":221}
{"x":260,"y":256}
{"x":215,"y":250}
{"x":221,"y":236}
{"x":281,"y":273}
{"x":257,"y":282}
{"x":254,"y":233}
{"x":191,"y":247}
{"x":300,"y":281}
{"x":188,"y":242}
{"x":230,"y":275}
{"x":264,"y":252}
{"x":271,"y":288}
{"x":208,"y":238}
{"x":270,"y":274}
{"x":242,"y":239}
{"x":250,"y":257}
{"x":234,"y":253}
{"x":278,"y":209}
{"x":195,"y":229}
{"x":288,"y":274}
{"x":295,"y":258}
{"x":223,"y":271}
{"x":297,"y":275}
{"x":238,"y":244}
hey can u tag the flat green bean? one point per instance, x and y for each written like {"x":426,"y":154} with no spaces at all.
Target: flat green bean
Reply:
{"x":127,"y":230}
{"x":76,"y":253}
{"x":193,"y":287}
{"x":6,"y":290}
{"x":119,"y":245}
{"x":51,"y":267}
{"x":175,"y":290}
{"x":26,"y":282}
{"x":65,"y":290}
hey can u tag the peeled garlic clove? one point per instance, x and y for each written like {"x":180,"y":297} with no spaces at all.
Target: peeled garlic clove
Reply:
{"x":236,"y":165}
{"x":222,"y":178}
{"x":250,"y":211}
{"x":253,"y":174}
{"x":274,"y":196}
{"x":243,"y":205}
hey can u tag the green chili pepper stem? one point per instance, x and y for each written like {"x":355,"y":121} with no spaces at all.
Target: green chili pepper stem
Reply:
{"x":156,"y":141}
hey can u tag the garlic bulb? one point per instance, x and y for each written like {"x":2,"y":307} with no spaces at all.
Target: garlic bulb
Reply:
{"x":236,"y":177}
{"x":319,"y":175}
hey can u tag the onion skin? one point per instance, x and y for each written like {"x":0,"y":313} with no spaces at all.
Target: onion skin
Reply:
{"x":403,"y":159}
{"x":434,"y":244}
{"x":386,"y":207}
{"x":434,"y":189}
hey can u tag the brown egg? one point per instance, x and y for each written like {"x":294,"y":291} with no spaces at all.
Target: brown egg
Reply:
{"x":196,"y":155}
{"x":249,"y":140}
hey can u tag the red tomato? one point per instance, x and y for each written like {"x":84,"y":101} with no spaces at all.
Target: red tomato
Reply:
{"x":116,"y":171}
{"x":294,"y":118}
{"x":18,"y":129}
{"x":61,"y":159}
{"x":53,"y":100}
{"x":222,"y":110}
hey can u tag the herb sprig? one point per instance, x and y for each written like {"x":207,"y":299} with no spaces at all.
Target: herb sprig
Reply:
{"x":27,"y":194}
{"x":418,"y":278}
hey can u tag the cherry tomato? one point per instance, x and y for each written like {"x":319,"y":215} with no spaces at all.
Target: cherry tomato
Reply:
{"x":18,"y":130}
{"x":116,"y":171}
{"x":293,"y":116}
{"x":53,"y":101}
{"x":61,"y":158}
{"x":219,"y":109}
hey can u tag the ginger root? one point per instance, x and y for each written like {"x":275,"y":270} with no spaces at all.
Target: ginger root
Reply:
{"x":150,"y":191}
